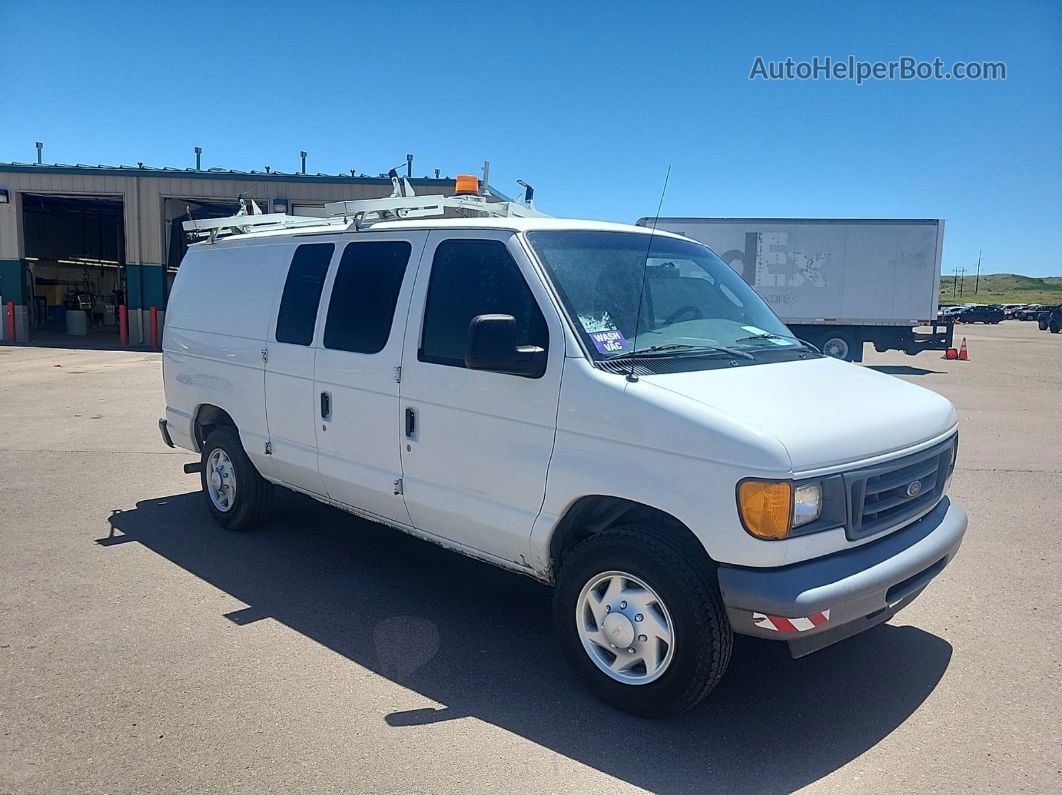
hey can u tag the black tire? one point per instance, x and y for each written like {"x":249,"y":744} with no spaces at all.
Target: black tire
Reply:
{"x":686,"y":583}
{"x":838,"y":345}
{"x":1054,"y":326}
{"x":254,"y":494}
{"x":1041,"y":323}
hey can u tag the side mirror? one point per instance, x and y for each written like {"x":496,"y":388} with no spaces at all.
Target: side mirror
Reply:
{"x":492,"y":346}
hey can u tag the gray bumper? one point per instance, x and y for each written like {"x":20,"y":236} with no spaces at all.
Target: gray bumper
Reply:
{"x":859,"y":587}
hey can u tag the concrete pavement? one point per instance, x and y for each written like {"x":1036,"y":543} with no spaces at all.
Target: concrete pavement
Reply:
{"x":144,"y":649}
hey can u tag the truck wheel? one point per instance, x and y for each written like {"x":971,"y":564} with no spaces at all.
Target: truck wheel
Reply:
{"x":1041,"y":323}
{"x":838,"y":345}
{"x":641,"y":621}
{"x":237,"y":497}
{"x":1054,"y":326}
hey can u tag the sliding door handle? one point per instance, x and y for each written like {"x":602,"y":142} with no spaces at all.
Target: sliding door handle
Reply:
{"x":411,"y":423}
{"x":326,"y":405}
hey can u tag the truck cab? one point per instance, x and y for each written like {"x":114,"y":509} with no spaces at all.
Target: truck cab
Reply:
{"x":606,"y":408}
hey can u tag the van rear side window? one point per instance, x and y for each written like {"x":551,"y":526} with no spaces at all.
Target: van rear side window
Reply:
{"x":302,"y":293}
{"x":362,"y":308}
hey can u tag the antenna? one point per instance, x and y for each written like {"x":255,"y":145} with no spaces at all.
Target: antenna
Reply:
{"x":645,"y":266}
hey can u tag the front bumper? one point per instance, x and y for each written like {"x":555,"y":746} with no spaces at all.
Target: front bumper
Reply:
{"x":824,"y":600}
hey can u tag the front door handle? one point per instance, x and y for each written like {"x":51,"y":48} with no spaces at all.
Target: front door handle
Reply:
{"x":411,"y":423}
{"x":326,"y":405}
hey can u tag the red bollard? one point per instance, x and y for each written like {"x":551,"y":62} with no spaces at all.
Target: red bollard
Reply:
{"x":123,"y":326}
{"x":154,"y":327}
{"x":9,"y":336}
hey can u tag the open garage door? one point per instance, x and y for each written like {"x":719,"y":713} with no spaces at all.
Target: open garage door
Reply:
{"x":176,"y":211}
{"x":75,"y":253}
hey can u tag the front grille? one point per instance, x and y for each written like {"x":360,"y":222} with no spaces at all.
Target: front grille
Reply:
{"x":885,"y":495}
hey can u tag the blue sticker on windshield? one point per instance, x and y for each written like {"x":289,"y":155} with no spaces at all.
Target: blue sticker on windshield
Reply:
{"x":609,"y":341}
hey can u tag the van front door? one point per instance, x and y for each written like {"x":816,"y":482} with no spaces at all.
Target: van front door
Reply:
{"x":289,"y":370}
{"x":476,"y":444}
{"x":357,"y":373}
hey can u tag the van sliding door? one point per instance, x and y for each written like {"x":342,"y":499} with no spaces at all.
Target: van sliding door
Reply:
{"x":357,"y":376}
{"x":289,"y":390}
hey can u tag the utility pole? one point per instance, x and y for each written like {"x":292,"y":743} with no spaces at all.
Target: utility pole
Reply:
{"x":977,"y":281}
{"x":954,"y":282}
{"x":962,"y":278}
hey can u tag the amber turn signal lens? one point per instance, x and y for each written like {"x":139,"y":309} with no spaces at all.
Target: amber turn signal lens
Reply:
{"x":766,"y":507}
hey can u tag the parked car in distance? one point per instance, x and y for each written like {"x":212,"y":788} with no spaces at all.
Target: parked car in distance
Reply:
{"x":680,"y":468}
{"x":1010,"y":310}
{"x":980,"y":314}
{"x":1028,"y":312}
{"x":1049,"y":318}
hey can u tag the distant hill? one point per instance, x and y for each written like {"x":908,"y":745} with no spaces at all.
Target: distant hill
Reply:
{"x":1003,"y":288}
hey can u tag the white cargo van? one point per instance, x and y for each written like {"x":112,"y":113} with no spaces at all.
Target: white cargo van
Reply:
{"x":598,"y":406}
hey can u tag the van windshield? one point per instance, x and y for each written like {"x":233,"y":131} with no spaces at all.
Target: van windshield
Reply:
{"x":692,"y":302}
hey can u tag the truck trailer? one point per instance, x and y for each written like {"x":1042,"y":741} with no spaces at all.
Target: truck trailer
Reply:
{"x":837,"y":283}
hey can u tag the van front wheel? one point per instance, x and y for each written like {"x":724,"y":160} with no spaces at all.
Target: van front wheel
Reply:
{"x":237,"y":497}
{"x":641,"y":621}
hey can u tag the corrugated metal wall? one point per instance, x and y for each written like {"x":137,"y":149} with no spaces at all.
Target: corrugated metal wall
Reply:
{"x":143,"y":195}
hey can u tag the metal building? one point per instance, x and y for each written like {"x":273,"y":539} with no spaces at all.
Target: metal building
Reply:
{"x":79,"y":241}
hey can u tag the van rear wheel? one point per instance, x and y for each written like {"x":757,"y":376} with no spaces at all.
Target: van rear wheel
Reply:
{"x":641,"y":621}
{"x":237,"y":497}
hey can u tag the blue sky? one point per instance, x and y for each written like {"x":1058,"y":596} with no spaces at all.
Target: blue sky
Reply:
{"x":589,"y":102}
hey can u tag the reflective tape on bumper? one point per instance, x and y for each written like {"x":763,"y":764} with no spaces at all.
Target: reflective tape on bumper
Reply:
{"x":799,"y":624}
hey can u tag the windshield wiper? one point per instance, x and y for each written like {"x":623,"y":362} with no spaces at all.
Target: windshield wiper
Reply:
{"x":765,"y":336}
{"x":769,"y":336}
{"x":673,"y":348}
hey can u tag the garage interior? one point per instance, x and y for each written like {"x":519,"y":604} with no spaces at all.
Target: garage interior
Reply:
{"x":75,"y":258}
{"x":176,"y":211}
{"x":80,"y":242}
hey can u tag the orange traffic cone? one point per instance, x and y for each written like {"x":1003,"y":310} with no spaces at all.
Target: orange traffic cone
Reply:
{"x":963,"y":355}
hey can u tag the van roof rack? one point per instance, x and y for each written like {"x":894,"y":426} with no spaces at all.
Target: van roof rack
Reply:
{"x":402,"y":204}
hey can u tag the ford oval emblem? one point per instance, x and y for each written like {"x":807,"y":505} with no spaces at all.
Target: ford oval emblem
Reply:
{"x":914,"y":488}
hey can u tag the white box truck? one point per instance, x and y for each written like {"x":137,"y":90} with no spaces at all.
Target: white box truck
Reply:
{"x":837,"y":283}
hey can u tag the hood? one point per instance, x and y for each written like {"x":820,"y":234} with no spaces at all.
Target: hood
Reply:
{"x":825,"y":412}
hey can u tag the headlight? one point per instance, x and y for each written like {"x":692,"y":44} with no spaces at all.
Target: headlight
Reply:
{"x":807,"y":503}
{"x":769,"y":509}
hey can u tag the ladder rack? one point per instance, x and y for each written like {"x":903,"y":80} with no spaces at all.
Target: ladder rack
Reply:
{"x":401,"y":207}
{"x":360,"y":213}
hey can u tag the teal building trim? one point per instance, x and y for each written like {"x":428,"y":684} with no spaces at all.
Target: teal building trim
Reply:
{"x":145,"y":286}
{"x":13,"y":280}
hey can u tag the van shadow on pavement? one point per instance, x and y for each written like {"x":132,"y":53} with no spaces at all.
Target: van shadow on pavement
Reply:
{"x":480,"y":640}
{"x":903,"y":369}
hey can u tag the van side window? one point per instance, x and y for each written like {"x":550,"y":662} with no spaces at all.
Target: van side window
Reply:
{"x":362,"y":307}
{"x":302,"y":293}
{"x":469,"y":278}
